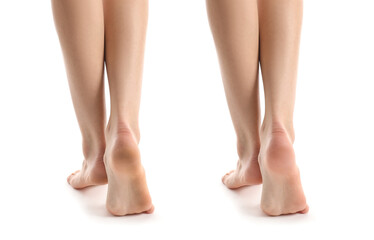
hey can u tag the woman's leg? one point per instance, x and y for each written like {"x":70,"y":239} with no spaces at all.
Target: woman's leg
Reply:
{"x":80,"y":27}
{"x":234,"y":24}
{"x":125,"y":32}
{"x":280,"y":26}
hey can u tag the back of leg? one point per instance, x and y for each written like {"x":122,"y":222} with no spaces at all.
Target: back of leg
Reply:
{"x":234,"y":25}
{"x":280,"y":27}
{"x":125,"y":33}
{"x":80,"y":27}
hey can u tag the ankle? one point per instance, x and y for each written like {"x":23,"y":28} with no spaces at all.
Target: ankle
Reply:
{"x":278,"y":127}
{"x":93,"y":150}
{"x":122,"y":147}
{"x":118,"y":127}
{"x":248,"y":151}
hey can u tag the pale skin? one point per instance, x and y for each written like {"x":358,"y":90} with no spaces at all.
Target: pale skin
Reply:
{"x":246,"y":33}
{"x":112,"y":32}
{"x":94,"y":33}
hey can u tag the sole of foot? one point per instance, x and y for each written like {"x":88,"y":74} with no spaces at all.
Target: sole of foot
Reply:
{"x":92,"y":173}
{"x":282,"y":192}
{"x":127,"y":187}
{"x":246,"y":173}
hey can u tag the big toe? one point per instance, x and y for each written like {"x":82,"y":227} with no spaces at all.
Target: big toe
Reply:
{"x":229,"y":179}
{"x":71,"y":176}
{"x":305,"y":210}
{"x":151,"y":210}
{"x":226,"y":175}
{"x":75,"y":180}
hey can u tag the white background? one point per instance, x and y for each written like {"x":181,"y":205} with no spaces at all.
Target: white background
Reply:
{"x":188,"y":141}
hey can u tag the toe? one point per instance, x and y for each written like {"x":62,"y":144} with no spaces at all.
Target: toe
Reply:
{"x":71,"y":176}
{"x":225,"y":176}
{"x":149,"y":211}
{"x":305,"y":210}
{"x":75,"y":180}
{"x":227,"y":179}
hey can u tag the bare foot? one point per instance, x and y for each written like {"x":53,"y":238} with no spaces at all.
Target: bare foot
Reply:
{"x":282,"y":192}
{"x":246,"y":173}
{"x":127,"y":187}
{"x":92,"y":173}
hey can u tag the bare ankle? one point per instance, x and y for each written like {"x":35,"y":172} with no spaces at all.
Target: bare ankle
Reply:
{"x":115,"y":127}
{"x":277,"y":153}
{"x":246,"y":153}
{"x":278,"y":127}
{"x":248,"y":148}
{"x":122,"y":149}
{"x":93,"y":151}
